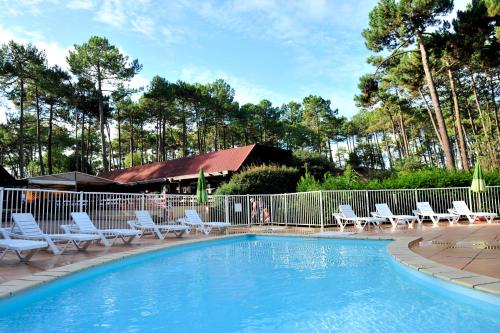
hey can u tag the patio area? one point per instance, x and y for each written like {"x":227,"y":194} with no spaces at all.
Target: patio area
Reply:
{"x":466,"y":247}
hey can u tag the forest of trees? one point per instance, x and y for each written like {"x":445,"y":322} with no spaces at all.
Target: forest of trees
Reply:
{"x":432,"y":99}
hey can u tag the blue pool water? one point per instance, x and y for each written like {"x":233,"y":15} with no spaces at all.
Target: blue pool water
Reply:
{"x":251,"y":284}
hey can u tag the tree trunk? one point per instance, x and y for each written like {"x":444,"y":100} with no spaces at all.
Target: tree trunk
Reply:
{"x":395,"y":136}
{"x":437,"y":107}
{"x":131,"y":142}
{"x":38,"y":131}
{"x":495,"y":108}
{"x":76,"y":139}
{"x":21,"y":130}
{"x":49,"y":139}
{"x":83,"y":167}
{"x":431,"y":116}
{"x":119,"y":140}
{"x":388,"y":148}
{"x":184,"y":135}
{"x":142,"y":143}
{"x":110,"y":147}
{"x":481,"y":117}
{"x":406,"y":146}
{"x":105,"y":164}
{"x":458,"y":122}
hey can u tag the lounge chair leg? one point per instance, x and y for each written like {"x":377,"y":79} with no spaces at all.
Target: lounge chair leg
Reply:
{"x":27,"y":257}
{"x":4,"y":252}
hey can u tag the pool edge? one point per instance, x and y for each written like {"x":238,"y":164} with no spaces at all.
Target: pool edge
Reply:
{"x":400,"y":249}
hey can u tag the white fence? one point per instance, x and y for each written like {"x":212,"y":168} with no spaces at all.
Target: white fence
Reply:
{"x":309,"y":209}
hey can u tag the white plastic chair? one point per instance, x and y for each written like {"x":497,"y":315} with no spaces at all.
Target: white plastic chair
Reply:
{"x":460,"y":208}
{"x":424,"y":210}
{"x":383,"y":210}
{"x":193,"y":220}
{"x":145,"y":223}
{"x":83,"y":224}
{"x":19,"y":246}
{"x":25,"y":227}
{"x":347,"y":215}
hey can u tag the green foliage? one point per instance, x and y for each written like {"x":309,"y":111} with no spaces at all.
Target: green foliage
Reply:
{"x":264,"y":179}
{"x":308,"y":183}
{"x":424,"y":178}
{"x":128,"y":159}
{"x":409,"y":164}
{"x":313,"y":163}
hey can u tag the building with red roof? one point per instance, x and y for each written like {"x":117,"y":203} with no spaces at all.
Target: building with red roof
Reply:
{"x":180,"y":175}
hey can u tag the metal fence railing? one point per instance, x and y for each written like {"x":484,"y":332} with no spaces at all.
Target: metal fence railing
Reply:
{"x":52,"y":208}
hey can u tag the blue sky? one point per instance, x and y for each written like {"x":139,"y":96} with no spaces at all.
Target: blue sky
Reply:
{"x":278,"y":50}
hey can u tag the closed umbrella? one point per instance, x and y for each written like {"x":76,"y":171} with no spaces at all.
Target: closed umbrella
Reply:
{"x":478,"y":184}
{"x":201,"y":188}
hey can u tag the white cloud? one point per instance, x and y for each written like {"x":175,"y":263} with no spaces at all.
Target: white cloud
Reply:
{"x":5,"y":35}
{"x":80,"y":4}
{"x":245,"y":91}
{"x":144,"y":25}
{"x":112,"y":12}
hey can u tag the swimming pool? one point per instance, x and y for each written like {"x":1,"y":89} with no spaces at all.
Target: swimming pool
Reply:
{"x":250,"y":284}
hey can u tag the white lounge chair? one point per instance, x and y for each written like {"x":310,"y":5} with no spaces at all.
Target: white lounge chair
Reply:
{"x":20,"y":246}
{"x":347,"y":215}
{"x":25,"y":227}
{"x":424,"y":210}
{"x":193,"y":220}
{"x":460,"y":208}
{"x":384,"y":211}
{"x":83,"y":224}
{"x":146,"y":224}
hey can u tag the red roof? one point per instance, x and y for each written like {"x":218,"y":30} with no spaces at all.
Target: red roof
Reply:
{"x":228,"y":160}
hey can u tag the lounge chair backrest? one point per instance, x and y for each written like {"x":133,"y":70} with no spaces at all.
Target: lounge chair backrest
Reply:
{"x":193,"y":217}
{"x":82,"y":220}
{"x":347,"y":211}
{"x":144,"y":218}
{"x":26,"y":224}
{"x":425,"y":208}
{"x":383,"y":210}
{"x":461,"y":207}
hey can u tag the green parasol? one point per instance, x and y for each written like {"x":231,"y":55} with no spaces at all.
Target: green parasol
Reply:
{"x":201,"y":188}
{"x":478,"y":184}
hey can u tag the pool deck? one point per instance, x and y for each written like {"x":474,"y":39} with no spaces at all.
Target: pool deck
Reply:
{"x":464,"y":254}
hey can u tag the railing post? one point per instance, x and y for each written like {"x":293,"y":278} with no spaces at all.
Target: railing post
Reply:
{"x":321,"y":210}
{"x":470,"y":199}
{"x":226,"y":204}
{"x":81,"y":201}
{"x":143,"y":199}
{"x":1,"y":207}
{"x":286,"y":209}
{"x":249,"y":210}
{"x":367,"y":196}
{"x":416,"y":196}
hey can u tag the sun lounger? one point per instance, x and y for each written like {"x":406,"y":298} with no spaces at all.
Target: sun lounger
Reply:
{"x":20,"y":246}
{"x":347,"y":215}
{"x":424,"y":210}
{"x":83,"y":224}
{"x":384,"y":211}
{"x":25,"y":227}
{"x":193,"y":220}
{"x":145,"y":223}
{"x":460,"y":208}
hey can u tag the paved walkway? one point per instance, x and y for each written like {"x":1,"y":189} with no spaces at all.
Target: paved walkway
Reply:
{"x":439,"y":244}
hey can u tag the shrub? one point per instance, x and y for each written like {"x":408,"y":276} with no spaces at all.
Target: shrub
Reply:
{"x":425,"y":178}
{"x":308,"y":183}
{"x":312,"y":162}
{"x":264,"y":179}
